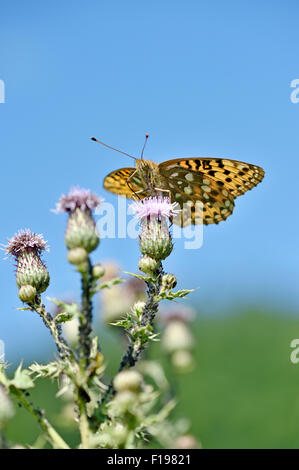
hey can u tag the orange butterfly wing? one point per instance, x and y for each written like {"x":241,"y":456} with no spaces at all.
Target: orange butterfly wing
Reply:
{"x":116,"y":182}
{"x":213,"y":181}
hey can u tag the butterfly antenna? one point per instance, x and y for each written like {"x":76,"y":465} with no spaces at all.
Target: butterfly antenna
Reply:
{"x":112,"y":148}
{"x":146,"y":137}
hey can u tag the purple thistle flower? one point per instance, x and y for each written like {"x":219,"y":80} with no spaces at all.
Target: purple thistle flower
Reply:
{"x":25,"y":241}
{"x":31,"y":273}
{"x":81,"y":236}
{"x":159,"y":206}
{"x":77,"y":198}
{"x":154,"y":214}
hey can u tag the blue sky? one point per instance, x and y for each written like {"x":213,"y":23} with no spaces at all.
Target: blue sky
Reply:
{"x":204,"y":78}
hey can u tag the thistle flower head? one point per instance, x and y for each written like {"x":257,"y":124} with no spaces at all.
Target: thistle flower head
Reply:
{"x":187,"y":441}
{"x":154,"y":206}
{"x":81,"y":231}
{"x":177,"y":312}
{"x":127,"y":380}
{"x":177,"y":336}
{"x":182,"y":361}
{"x":25,"y":241}
{"x":31,"y":273}
{"x":154,"y":214}
{"x":77,"y":198}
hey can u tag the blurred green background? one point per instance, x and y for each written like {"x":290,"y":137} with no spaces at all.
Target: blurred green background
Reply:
{"x":243,"y":392}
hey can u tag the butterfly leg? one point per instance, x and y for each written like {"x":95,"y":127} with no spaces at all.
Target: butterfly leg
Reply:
{"x":140,"y":190}
{"x":156,"y":190}
{"x":165,"y":191}
{"x":169,"y":197}
{"x":128,"y":184}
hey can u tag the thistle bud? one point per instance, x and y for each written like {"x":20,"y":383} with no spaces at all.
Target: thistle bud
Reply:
{"x":138,"y":308}
{"x":98,"y":271}
{"x":154,"y":214}
{"x":81,"y":231}
{"x":187,"y":441}
{"x":77,"y":256}
{"x":123,"y":402}
{"x":125,"y":399}
{"x":169,"y":281}
{"x":177,"y":337}
{"x":147,"y":264}
{"x":71,"y":330}
{"x":155,"y":239}
{"x":27,"y":293}
{"x":112,"y":435}
{"x":182,"y":361}
{"x":119,"y":433}
{"x":31,"y":272}
{"x":127,"y":380}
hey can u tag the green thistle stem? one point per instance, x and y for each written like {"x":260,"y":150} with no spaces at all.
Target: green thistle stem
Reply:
{"x":83,"y":420}
{"x":84,"y":348}
{"x":85,"y":319}
{"x":137,"y":345}
{"x":55,"y":329}
{"x":153,"y":289}
{"x":55,"y":439}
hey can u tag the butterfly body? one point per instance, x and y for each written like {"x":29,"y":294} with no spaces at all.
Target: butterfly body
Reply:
{"x":150,"y":176}
{"x":213,"y":182}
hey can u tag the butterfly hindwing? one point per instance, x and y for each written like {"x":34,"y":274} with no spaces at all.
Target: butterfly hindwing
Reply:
{"x":215,"y":182}
{"x":237,"y":177}
{"x":201,"y":199}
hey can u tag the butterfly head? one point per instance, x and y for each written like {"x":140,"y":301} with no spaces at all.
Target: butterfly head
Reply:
{"x":148,"y":172}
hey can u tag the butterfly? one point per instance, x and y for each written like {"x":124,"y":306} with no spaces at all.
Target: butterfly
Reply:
{"x":205,"y":188}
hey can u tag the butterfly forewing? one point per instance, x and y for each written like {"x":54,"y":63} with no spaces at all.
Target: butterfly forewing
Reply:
{"x":123,"y":182}
{"x":188,"y":187}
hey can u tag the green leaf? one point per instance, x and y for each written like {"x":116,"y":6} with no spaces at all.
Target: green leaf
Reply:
{"x":63,"y":317}
{"x":94,"y":347}
{"x":142,"y":277}
{"x":22,"y":379}
{"x":154,"y":370}
{"x":161,"y":415}
{"x":124,"y":323}
{"x":173,"y":295}
{"x":69,"y":310}
{"x":109,"y":284}
{"x":53,"y":369}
